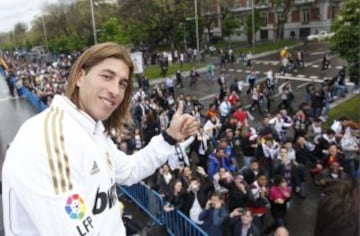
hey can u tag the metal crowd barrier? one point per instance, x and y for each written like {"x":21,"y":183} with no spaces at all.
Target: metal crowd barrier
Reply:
{"x":32,"y":98}
{"x":176,"y":222}
{"x":2,"y":72}
{"x":23,"y":91}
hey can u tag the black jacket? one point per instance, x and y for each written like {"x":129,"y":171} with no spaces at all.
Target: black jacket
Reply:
{"x":236,"y":226}
{"x":206,"y":188}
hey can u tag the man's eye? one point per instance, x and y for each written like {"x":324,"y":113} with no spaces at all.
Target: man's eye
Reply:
{"x":123,"y":84}
{"x":106,"y":76}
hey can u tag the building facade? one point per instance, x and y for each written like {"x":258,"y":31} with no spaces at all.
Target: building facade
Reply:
{"x":305,"y":17}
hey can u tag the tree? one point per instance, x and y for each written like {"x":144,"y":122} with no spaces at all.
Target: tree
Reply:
{"x":346,"y":39}
{"x":249,"y":29}
{"x":281,"y":8}
{"x":19,"y":33}
{"x":225,"y":8}
{"x":229,"y":25}
{"x":112,"y":30}
{"x":209,"y":16}
{"x":160,"y":20}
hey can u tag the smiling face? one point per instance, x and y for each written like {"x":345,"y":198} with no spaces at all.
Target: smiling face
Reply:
{"x":102,"y":87}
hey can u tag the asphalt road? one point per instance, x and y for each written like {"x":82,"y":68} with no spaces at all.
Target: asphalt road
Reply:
{"x":301,"y":216}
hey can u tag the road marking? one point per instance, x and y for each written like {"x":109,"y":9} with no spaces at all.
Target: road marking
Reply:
{"x":207,"y":97}
{"x":267,"y":62}
{"x":302,"y":85}
{"x":231,"y":70}
{"x":317,"y":53}
{"x":239,"y":70}
{"x":301,"y":76}
{"x":310,"y":79}
{"x":315,"y":66}
{"x":8,"y":99}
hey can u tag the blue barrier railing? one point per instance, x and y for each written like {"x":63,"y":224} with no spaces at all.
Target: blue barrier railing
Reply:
{"x":147,"y":199}
{"x":2,"y":72}
{"x":176,"y":222}
{"x":23,"y":91}
{"x":33,"y":99}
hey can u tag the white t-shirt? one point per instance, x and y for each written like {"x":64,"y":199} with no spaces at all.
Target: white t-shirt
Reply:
{"x":195,"y":211}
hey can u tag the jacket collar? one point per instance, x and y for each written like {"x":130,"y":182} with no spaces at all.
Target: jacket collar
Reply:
{"x":85,"y":120}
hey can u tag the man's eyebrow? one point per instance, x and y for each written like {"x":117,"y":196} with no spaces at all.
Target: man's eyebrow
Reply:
{"x":109,"y":71}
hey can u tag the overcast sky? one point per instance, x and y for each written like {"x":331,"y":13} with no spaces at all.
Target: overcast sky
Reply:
{"x":14,"y":11}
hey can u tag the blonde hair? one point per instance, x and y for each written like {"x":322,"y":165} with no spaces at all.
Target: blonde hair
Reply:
{"x":92,"y":57}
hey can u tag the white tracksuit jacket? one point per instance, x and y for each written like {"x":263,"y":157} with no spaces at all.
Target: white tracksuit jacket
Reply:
{"x":60,"y":172}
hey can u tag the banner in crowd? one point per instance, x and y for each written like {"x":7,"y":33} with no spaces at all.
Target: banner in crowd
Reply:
{"x":137,"y":59}
{"x":4,"y":63}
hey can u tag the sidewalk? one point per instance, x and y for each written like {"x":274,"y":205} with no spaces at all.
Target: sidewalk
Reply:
{"x":342,"y":100}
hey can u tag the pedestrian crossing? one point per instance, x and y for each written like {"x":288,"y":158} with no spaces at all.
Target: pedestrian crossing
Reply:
{"x":277,"y":62}
{"x":279,"y":74}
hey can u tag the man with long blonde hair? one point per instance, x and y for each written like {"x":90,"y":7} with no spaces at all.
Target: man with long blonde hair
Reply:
{"x":61,"y":170}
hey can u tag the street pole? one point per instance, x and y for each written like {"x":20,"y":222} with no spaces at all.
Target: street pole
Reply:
{"x":253,"y":26}
{"x":45,"y":33}
{"x":185,"y":46}
{"x":93,"y":20}
{"x":197,"y":31}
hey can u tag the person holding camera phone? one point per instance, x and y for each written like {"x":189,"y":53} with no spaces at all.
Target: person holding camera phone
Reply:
{"x":241,"y":223}
{"x":214,"y":215}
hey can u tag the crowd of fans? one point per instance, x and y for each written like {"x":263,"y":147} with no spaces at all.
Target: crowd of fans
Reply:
{"x":234,"y":171}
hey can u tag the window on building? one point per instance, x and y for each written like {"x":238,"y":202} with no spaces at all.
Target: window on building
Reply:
{"x":305,"y":16}
{"x":264,"y":17}
{"x":242,"y":19}
{"x":332,"y":12}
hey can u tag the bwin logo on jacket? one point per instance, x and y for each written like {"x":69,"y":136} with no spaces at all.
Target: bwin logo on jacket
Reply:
{"x":104,"y":199}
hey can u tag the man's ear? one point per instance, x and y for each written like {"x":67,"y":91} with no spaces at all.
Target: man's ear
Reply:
{"x":80,"y":77}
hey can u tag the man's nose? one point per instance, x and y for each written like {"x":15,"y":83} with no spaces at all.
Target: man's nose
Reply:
{"x":114,"y":88}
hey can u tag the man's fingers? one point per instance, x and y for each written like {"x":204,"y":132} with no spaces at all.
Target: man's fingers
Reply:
{"x":190,"y":125}
{"x":188,"y":120}
{"x":180,"y":108}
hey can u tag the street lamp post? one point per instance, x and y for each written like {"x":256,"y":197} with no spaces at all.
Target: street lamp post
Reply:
{"x":93,"y":20}
{"x":253,"y":26}
{"x":185,"y":46}
{"x":45,"y":33}
{"x":197,"y":30}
